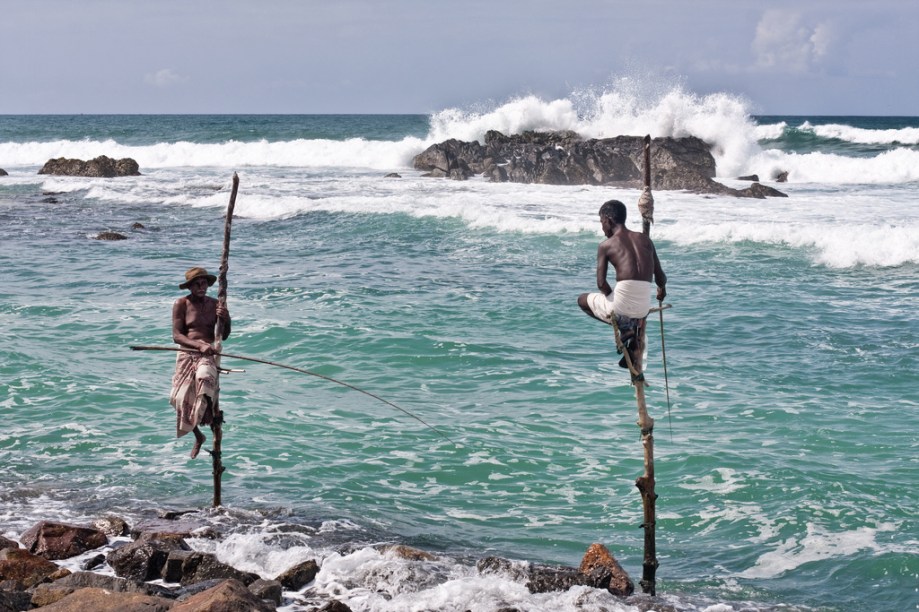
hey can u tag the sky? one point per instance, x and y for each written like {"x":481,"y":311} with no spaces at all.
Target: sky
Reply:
{"x":801,"y":57}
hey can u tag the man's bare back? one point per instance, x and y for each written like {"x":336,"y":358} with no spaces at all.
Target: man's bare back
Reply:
{"x":632,"y":255}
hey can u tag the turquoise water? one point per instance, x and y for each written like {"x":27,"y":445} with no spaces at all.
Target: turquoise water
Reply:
{"x":786,"y":465}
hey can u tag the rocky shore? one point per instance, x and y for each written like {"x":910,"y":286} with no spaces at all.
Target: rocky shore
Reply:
{"x":151,"y":567}
{"x":564,"y":158}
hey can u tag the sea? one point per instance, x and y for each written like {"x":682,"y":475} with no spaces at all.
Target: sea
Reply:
{"x":782,"y":379}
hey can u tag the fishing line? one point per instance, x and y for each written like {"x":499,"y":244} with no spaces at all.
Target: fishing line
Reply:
{"x":302,"y":371}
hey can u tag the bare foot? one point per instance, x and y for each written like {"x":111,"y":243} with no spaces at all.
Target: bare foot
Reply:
{"x":199,"y":440}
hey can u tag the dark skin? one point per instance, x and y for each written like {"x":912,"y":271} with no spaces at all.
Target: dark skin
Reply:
{"x":194,"y":317}
{"x":633,"y":257}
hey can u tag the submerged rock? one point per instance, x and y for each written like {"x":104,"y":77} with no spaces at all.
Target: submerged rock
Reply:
{"x":110,"y":236}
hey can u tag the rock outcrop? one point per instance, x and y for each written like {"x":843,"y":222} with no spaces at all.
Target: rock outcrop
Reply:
{"x":599,"y":569}
{"x":101,"y":166}
{"x":61,"y":541}
{"x":564,"y":158}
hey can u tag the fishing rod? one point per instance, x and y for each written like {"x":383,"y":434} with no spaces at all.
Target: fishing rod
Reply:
{"x":302,"y":371}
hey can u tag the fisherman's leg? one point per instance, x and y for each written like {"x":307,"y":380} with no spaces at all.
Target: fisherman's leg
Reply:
{"x":584,"y":301}
{"x":630,"y":337}
{"x":199,"y":440}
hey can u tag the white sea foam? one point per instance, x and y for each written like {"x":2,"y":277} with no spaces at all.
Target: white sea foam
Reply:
{"x":905,"y":136}
{"x":817,"y":545}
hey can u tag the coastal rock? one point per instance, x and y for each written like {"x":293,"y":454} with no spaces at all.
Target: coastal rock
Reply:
{"x":15,"y":601}
{"x":102,"y":599}
{"x":267,"y":589}
{"x":751,"y":177}
{"x":92,"y":562}
{"x":144,"y":558}
{"x":597,"y":571}
{"x":168,"y":527}
{"x":61,"y":541}
{"x":564,"y":158}
{"x":194,"y":567}
{"x":405,"y":552}
{"x":781,"y":176}
{"x":3,"y":172}
{"x":298,"y":576}
{"x":25,"y":568}
{"x":112,"y":526}
{"x":101,"y":166}
{"x":7,"y":543}
{"x":599,"y":560}
{"x":46,"y":594}
{"x":334,"y":606}
{"x":227,"y":596}
{"x":110,"y":236}
{"x":757,"y":190}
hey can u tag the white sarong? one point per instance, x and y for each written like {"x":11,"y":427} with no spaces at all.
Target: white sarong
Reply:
{"x":630,"y":298}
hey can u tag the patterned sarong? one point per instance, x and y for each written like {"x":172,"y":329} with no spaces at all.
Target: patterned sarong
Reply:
{"x":194,"y":391}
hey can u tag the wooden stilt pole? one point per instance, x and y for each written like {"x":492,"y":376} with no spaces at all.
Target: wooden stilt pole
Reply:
{"x":645,"y":483}
{"x":216,"y":426}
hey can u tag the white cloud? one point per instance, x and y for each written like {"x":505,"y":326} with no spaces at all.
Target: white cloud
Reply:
{"x":163,"y":78}
{"x":786,"y":43}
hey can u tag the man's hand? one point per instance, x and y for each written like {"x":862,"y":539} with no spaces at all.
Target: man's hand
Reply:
{"x":206,"y":349}
{"x":661,"y":293}
{"x":222,"y":312}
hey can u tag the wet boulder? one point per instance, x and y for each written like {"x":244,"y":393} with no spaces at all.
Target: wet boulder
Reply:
{"x":113,"y":526}
{"x":61,"y":541}
{"x":298,"y":576}
{"x":49,"y":593}
{"x":228,"y":595}
{"x":599,"y":562}
{"x":190,"y":567}
{"x":84,"y":600}
{"x":267,"y":589}
{"x":7,"y":543}
{"x":3,"y":172}
{"x":758,"y":190}
{"x":170,"y":526}
{"x":20,"y":565}
{"x":564,"y":158}
{"x":102,"y":166}
{"x":144,"y":558}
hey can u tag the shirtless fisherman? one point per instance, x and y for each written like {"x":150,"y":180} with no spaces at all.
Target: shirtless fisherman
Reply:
{"x":634,"y":258}
{"x":194,"y":385}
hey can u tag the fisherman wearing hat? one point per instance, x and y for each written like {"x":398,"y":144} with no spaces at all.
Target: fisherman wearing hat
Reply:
{"x":194,"y":385}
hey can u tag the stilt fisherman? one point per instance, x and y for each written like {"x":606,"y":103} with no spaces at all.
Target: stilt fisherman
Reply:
{"x":194,"y":385}
{"x":634,"y":258}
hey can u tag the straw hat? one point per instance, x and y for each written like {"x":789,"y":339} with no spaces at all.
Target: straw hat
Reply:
{"x":194,"y":273}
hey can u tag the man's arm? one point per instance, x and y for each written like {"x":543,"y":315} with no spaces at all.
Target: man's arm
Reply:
{"x":602,"y":268}
{"x":224,"y":314}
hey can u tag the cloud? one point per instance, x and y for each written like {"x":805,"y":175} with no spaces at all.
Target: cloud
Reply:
{"x":165,"y":77}
{"x":784,"y":42}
